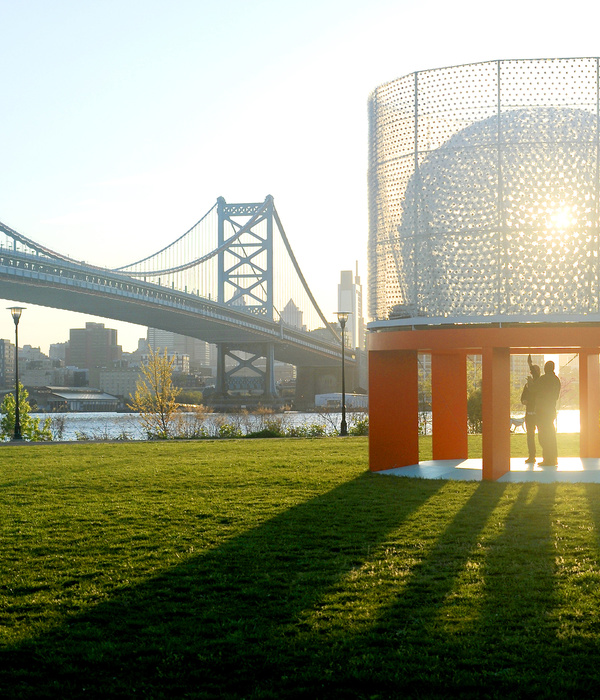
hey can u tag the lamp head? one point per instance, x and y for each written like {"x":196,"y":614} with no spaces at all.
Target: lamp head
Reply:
{"x":16,"y":312}
{"x":342,"y":317}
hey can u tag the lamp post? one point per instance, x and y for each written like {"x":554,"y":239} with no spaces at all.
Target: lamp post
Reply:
{"x":343,"y":318}
{"x":16,"y":312}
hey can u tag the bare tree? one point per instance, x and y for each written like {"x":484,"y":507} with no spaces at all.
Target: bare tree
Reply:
{"x":156,"y":396}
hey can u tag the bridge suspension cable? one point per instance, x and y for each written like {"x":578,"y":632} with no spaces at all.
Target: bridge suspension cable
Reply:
{"x":249,"y":243}
{"x":236,"y":254}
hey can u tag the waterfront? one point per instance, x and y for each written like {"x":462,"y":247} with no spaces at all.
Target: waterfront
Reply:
{"x":127,"y":426}
{"x":115,"y":426}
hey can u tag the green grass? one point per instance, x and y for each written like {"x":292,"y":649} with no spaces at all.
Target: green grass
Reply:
{"x":283,"y":569}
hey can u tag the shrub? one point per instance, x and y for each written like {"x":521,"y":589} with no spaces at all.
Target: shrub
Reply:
{"x":311,"y":430}
{"x":227,"y":430}
{"x":474,"y":411}
{"x":272,"y":427}
{"x":361,"y":427}
{"x":31,"y":428}
{"x":265,"y":433}
{"x":57,"y":426}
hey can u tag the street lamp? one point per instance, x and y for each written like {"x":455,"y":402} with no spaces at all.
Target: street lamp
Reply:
{"x":16,"y":312}
{"x":343,"y":318}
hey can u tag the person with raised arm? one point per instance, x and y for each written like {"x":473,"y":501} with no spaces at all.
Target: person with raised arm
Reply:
{"x":528,"y":398}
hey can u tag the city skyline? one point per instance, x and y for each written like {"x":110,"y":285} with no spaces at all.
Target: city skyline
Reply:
{"x":124,"y":122}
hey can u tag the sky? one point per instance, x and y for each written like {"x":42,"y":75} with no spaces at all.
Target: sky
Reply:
{"x":122,"y":121}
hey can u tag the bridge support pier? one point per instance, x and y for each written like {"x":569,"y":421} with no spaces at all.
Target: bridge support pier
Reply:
{"x":248,"y":369}
{"x":311,"y":381}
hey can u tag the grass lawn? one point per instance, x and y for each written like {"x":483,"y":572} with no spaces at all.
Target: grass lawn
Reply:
{"x":284,"y":569}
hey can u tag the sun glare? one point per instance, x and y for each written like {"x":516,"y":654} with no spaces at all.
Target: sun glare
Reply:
{"x":561,"y":218}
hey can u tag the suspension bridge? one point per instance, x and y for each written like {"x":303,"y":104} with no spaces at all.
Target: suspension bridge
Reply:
{"x":232,"y":280}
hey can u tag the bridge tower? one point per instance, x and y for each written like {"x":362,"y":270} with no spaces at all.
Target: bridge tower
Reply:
{"x":245,"y":279}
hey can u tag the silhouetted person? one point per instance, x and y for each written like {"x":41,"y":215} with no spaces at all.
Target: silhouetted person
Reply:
{"x":528,"y":398}
{"x":547,"y":391}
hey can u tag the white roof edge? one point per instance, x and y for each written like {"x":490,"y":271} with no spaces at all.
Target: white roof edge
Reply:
{"x":422,"y":321}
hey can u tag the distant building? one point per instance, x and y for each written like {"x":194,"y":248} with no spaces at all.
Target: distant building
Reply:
{"x":40,"y":374}
{"x":93,"y":346}
{"x":80,"y":400}
{"x":74,"y":376}
{"x":118,"y":381}
{"x":334,"y":401}
{"x":30,"y":354}
{"x":134,"y":359}
{"x":35,"y":375}
{"x":519,"y":367}
{"x":325,"y":333}
{"x":350,"y":299}
{"x":37,"y":369}
{"x":181,"y":363}
{"x":159,"y":339}
{"x":7,"y":364}
{"x":292,"y":315}
{"x":58,"y":351}
{"x":200,"y":354}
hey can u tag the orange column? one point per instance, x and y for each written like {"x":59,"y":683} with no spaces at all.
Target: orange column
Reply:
{"x":495,"y":412}
{"x":449,"y":405}
{"x":589,"y":404}
{"x":393,"y":409}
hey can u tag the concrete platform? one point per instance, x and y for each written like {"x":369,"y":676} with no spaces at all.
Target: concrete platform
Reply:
{"x":569,"y":469}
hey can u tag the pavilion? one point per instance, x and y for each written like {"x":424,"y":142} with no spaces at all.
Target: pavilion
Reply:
{"x":394,"y":394}
{"x":484,"y":239}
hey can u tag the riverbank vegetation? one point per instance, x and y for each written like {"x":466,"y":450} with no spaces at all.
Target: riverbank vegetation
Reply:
{"x":162,"y":418}
{"x":284,"y":569}
{"x":198,"y":423}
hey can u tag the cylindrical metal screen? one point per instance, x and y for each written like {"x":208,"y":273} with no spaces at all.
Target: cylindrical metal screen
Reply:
{"x":484,"y":194}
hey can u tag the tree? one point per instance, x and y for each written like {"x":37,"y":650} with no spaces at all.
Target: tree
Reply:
{"x":474,"y":411}
{"x":31,"y":428}
{"x":155,"y":396}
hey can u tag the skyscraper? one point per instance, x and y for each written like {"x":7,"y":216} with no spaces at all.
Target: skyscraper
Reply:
{"x":350,"y":299}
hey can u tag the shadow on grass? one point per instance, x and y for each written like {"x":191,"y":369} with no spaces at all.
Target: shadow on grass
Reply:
{"x":468,"y":610}
{"x":222,"y":623}
{"x":414,"y":633}
{"x":480,"y":616}
{"x":515,"y":626}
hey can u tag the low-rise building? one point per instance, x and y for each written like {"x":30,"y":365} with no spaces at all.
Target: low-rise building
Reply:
{"x":70,"y":399}
{"x":119,"y":381}
{"x":334,"y":401}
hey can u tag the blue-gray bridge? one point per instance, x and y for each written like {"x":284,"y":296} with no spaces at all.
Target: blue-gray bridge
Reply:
{"x":232,"y":280}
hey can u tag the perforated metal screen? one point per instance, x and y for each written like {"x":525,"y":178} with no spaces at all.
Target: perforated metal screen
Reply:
{"x":484,"y":192}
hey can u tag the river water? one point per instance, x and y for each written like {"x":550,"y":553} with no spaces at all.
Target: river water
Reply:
{"x":127,"y":426}
{"x":115,"y":426}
